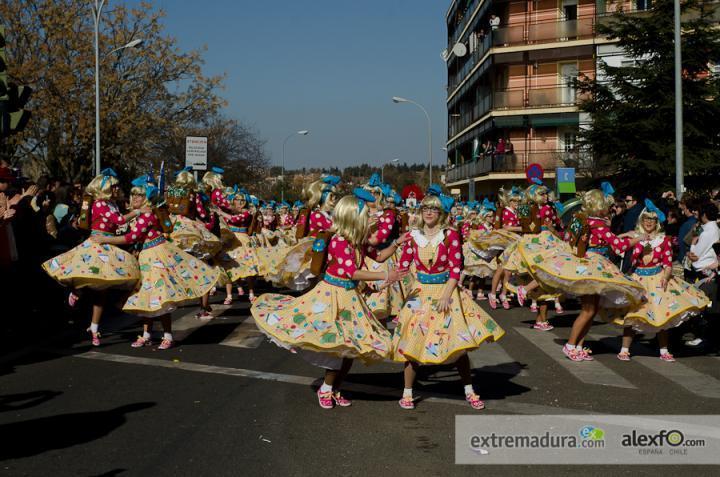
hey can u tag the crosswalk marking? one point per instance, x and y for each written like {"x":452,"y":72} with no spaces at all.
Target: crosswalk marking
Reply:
{"x":589,"y":372}
{"x":685,"y":376}
{"x":245,"y":335}
{"x":188,"y":324}
{"x":492,"y":358}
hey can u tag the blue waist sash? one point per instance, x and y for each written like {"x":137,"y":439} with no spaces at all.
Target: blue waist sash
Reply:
{"x":240,"y":230}
{"x":648,"y":271}
{"x":433,"y":278}
{"x":152,"y":243}
{"x":102,"y":233}
{"x":605,"y":251}
{"x":345,"y":283}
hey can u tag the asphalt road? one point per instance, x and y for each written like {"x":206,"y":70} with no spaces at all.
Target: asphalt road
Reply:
{"x":228,"y":402}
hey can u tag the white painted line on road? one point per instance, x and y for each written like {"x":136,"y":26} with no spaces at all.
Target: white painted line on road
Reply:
{"x":589,"y":372}
{"x":499,"y":406}
{"x":245,"y":335}
{"x":682,"y":375}
{"x":492,"y":358}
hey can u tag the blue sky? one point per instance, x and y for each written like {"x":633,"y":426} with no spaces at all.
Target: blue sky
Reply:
{"x":327,"y":66}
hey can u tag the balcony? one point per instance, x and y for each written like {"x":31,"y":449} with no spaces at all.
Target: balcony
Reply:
{"x":547,"y":97}
{"x":546,"y":32}
{"x":512,"y":163}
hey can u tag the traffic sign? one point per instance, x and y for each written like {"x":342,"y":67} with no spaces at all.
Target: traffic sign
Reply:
{"x":196,"y":152}
{"x":534,"y":171}
{"x":565,"y":180}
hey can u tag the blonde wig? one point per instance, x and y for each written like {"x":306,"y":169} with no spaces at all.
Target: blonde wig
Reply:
{"x":141,"y":190}
{"x":186,"y":180}
{"x":435,"y":202}
{"x":505,"y":196}
{"x":314,"y":193}
{"x":212,"y":180}
{"x":646,"y":214}
{"x":596,"y":204}
{"x":350,"y":219}
{"x":534,"y":193}
{"x":101,"y":187}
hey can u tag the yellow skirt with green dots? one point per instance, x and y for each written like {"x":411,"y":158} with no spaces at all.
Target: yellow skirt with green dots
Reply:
{"x":239,"y":259}
{"x":385,"y":300}
{"x":293,"y":268}
{"x":556,"y":268}
{"x":427,"y":336}
{"x":478,"y":263}
{"x":192,"y":237}
{"x":169,"y":278}
{"x":329,"y":318}
{"x":94,"y":266}
{"x":664,"y":309}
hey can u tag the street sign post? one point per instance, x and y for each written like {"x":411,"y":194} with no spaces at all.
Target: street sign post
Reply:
{"x":196,"y":153}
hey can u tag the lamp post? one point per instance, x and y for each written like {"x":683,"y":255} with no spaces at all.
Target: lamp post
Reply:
{"x":298,"y":133}
{"x":97,"y":10}
{"x":397,"y":99}
{"x":382,"y":168}
{"x":679,"y":179}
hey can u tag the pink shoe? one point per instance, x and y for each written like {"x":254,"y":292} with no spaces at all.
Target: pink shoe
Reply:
{"x":667,"y":357}
{"x":406,"y":403}
{"x":241,"y":292}
{"x":586,"y":354}
{"x":534,"y":308}
{"x":140,"y":342}
{"x":325,"y":399}
{"x":340,"y":400}
{"x":572,"y":354}
{"x":543,"y":326}
{"x":165,"y":344}
{"x":204,"y":315}
{"x":505,"y":302}
{"x":481,"y":296}
{"x":95,"y":337}
{"x":72,"y":299}
{"x":492,"y":301}
{"x":228,"y":301}
{"x":521,"y":295}
{"x":623,"y":356}
{"x":475,"y":401}
{"x":558,"y":308}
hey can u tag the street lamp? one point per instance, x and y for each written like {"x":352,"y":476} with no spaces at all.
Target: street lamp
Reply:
{"x":298,"y":133}
{"x":382,"y":168}
{"x":398,"y":99}
{"x":97,"y":10}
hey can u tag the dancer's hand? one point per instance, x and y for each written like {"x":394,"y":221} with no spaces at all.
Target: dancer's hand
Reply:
{"x":443,"y":304}
{"x":396,"y":275}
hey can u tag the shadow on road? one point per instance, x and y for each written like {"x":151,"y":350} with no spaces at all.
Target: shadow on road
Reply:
{"x":36,"y":436}
{"x":18,"y":402}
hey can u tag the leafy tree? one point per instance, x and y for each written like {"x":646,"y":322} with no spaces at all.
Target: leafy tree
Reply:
{"x":632,"y":107}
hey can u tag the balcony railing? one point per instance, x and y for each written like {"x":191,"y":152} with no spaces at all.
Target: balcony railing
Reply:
{"x":545,"y":32}
{"x":509,"y":163}
{"x":522,"y":98}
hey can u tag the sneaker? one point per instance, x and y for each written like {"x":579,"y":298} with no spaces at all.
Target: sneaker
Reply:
{"x":241,"y":292}
{"x":543,"y":326}
{"x":481,"y":296}
{"x":95,"y":337}
{"x":325,"y":399}
{"x":475,"y":401}
{"x":492,"y":301}
{"x":140,"y":342}
{"x":505,"y":302}
{"x":623,"y":356}
{"x":667,"y":357}
{"x":586,"y":354}
{"x":521,"y":295}
{"x":213,"y":291}
{"x":251,"y":297}
{"x":572,"y":354}
{"x":340,"y":400}
{"x":228,"y":301}
{"x":407,"y":402}
{"x":558,"y":308}
{"x":204,"y":315}
{"x":695,"y":342}
{"x":534,"y":308}
{"x":165,"y":344}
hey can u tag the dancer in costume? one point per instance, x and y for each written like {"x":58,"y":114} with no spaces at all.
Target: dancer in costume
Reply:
{"x":169,"y":277}
{"x":293,"y":270}
{"x":479,"y":263}
{"x":671,"y":301}
{"x":592,"y":277}
{"x":286,"y":223}
{"x":509,"y":222}
{"x":438,"y":323}
{"x":91,"y":266}
{"x":332,"y":318}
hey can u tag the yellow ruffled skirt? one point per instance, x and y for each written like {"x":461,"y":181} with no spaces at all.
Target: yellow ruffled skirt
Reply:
{"x":478,"y":263}
{"x":328,"y":319}
{"x":169,"y":278}
{"x":664,"y":309}
{"x":384,"y":300}
{"x":94,"y":266}
{"x":426,"y":336}
{"x":556,"y":268}
{"x":239,"y":259}
{"x":192,"y":237}
{"x":293,"y":268}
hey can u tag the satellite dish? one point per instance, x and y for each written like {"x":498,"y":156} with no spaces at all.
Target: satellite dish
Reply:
{"x":459,"y":49}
